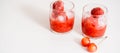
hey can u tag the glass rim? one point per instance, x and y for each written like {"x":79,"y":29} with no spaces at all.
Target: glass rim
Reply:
{"x":95,"y":4}
{"x":73,"y":5}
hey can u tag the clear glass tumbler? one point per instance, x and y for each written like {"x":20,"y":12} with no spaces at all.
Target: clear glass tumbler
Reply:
{"x":94,"y":20}
{"x":61,"y":16}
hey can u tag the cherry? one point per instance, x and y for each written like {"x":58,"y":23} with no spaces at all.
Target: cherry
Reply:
{"x":85,"y":41}
{"x":91,"y":47}
{"x":97,"y":11}
{"x":58,"y":5}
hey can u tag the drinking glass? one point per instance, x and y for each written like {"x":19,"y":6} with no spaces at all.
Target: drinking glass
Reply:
{"x":61,"y":16}
{"x":94,"y":20}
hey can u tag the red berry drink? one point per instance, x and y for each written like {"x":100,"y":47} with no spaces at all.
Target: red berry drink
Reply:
{"x":61,"y":17}
{"x":94,"y":21}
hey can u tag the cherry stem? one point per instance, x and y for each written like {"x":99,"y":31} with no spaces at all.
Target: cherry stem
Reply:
{"x":104,"y":38}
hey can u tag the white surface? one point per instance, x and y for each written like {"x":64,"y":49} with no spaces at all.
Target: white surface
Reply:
{"x":24,"y":28}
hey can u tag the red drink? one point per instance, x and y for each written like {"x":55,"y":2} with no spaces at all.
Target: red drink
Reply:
{"x":91,"y":27}
{"x":61,"y":19}
{"x":94,"y":20}
{"x":61,"y":26}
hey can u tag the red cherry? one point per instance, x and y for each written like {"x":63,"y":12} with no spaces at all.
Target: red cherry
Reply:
{"x":85,"y":41}
{"x":97,"y":11}
{"x":91,"y":47}
{"x":58,"y":5}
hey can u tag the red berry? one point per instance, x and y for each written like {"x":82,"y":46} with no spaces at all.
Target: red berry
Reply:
{"x":91,"y":47}
{"x":58,"y":5}
{"x":97,"y":11}
{"x":85,"y":41}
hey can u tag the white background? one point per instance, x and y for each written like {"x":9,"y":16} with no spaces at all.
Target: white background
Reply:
{"x":24,"y":28}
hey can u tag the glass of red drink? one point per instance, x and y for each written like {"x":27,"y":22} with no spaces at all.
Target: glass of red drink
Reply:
{"x":61,"y":16}
{"x":94,"y":20}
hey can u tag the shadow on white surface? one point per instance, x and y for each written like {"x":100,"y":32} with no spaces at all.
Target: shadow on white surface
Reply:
{"x":77,"y":40}
{"x":77,"y":25}
{"x":39,"y":15}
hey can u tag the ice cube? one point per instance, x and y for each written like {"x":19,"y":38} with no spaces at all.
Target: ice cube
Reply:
{"x":102,"y":21}
{"x":69,"y":14}
{"x":61,"y":18}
